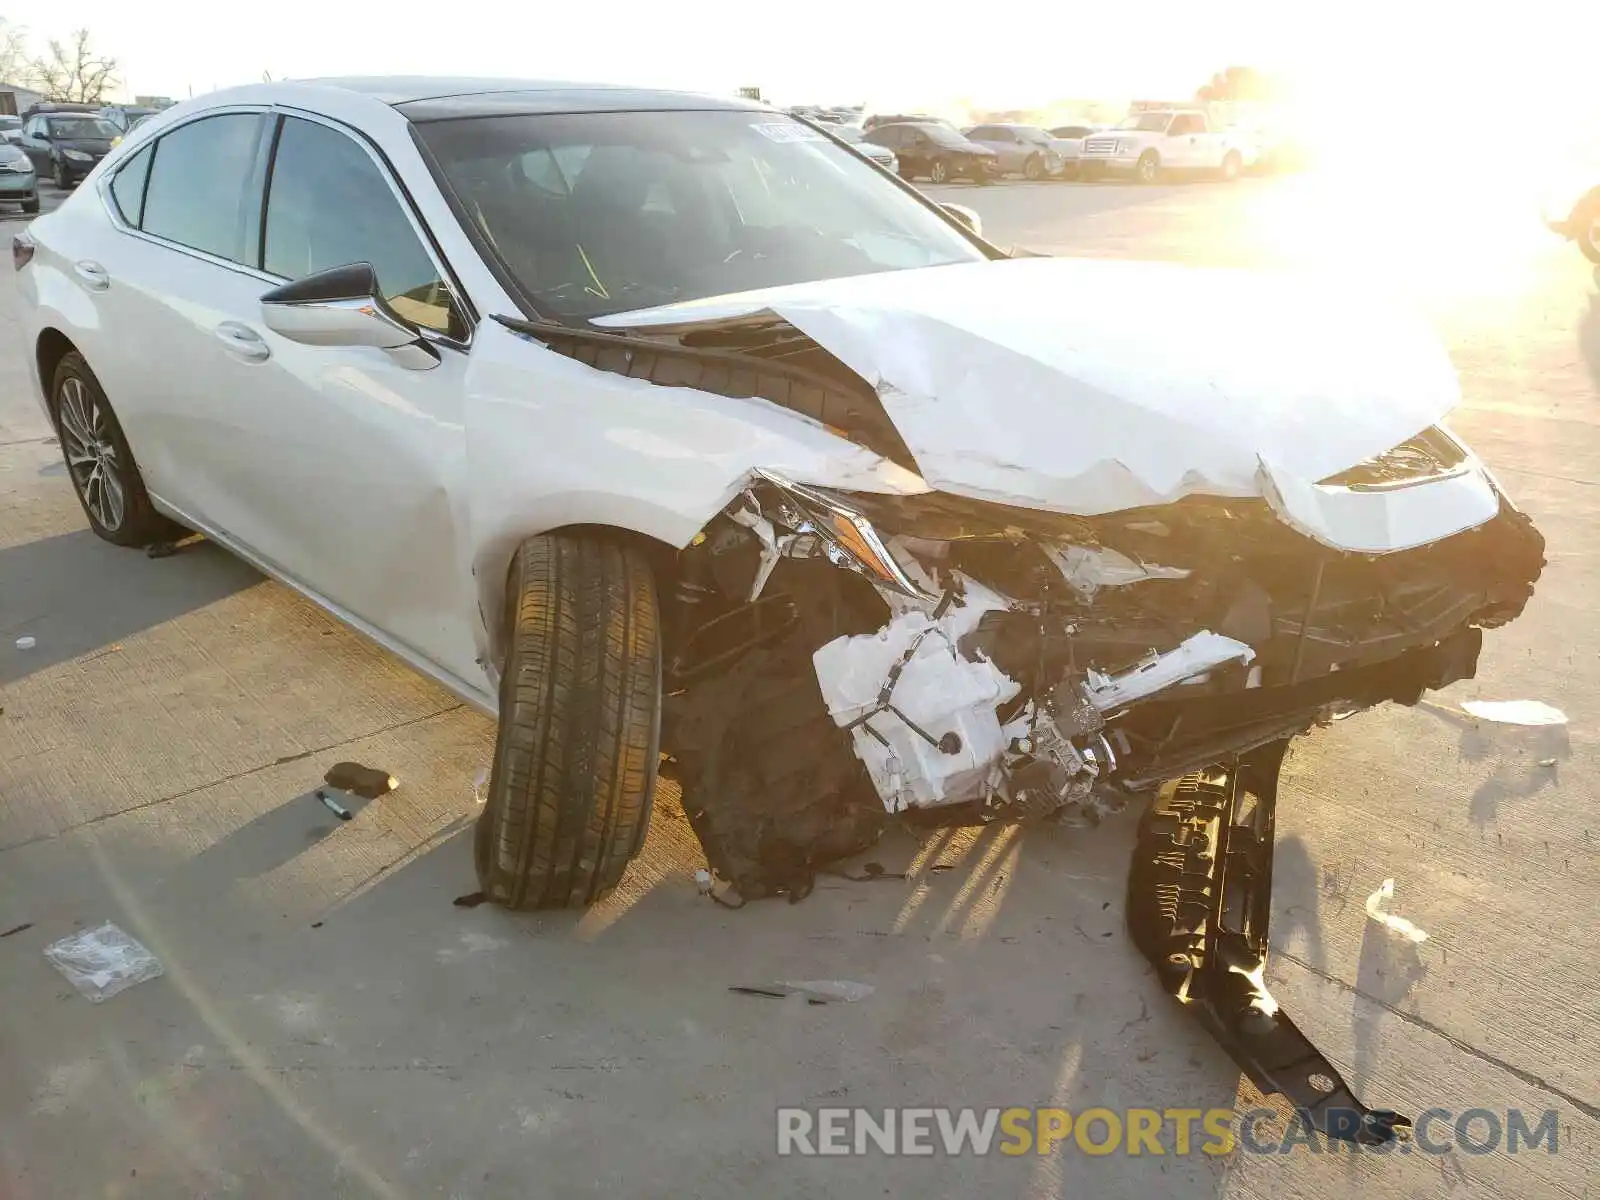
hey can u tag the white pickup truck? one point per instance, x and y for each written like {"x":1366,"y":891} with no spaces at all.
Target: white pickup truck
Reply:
{"x":1152,"y":142}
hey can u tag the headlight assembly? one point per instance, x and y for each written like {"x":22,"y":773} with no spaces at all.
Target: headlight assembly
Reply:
{"x":847,"y":536}
{"x":76,"y":156}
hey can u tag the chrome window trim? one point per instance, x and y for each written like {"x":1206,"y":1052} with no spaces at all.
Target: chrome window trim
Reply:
{"x":109,"y":203}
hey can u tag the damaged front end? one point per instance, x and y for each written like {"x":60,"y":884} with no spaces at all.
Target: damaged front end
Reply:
{"x":986,"y":662}
{"x":1124,"y":563}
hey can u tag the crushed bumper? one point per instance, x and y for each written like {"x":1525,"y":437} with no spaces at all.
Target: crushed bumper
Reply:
{"x":1199,"y":899}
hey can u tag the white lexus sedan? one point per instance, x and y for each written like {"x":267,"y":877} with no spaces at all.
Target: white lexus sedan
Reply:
{"x":670,"y":430}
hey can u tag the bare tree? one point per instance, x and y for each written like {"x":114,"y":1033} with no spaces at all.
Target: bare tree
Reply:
{"x":14,"y":64}
{"x":74,"y":71}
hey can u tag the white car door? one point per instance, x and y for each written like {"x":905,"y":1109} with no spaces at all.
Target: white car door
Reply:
{"x":337,"y":466}
{"x":1181,"y":147}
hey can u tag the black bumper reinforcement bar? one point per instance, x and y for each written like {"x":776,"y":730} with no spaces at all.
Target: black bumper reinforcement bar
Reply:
{"x":1199,"y":898}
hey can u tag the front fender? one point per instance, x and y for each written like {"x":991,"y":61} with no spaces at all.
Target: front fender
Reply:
{"x":552,"y":442}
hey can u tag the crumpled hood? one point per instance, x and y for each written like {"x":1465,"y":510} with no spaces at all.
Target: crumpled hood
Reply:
{"x":1091,"y":386}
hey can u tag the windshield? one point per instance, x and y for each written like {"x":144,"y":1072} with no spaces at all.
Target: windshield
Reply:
{"x":846,"y":133}
{"x":596,"y":213}
{"x":80,"y":127}
{"x":1151,"y":122}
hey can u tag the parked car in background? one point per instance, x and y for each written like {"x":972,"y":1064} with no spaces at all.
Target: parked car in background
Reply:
{"x":10,"y":128}
{"x":123,"y":116}
{"x":1024,"y":150}
{"x":936,"y":152}
{"x":18,"y":182}
{"x":857,"y":140}
{"x":878,"y":119}
{"x":1147,"y":144}
{"x":1069,"y":144}
{"x":66,"y":145}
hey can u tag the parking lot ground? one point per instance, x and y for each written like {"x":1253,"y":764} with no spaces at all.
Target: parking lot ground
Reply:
{"x":330,"y":1024}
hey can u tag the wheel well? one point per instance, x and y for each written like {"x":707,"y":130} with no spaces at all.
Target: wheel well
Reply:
{"x":52,"y":347}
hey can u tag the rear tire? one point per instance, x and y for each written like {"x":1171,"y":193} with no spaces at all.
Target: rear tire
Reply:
{"x":580,"y":724}
{"x":1232,"y":166}
{"x":100,"y":462}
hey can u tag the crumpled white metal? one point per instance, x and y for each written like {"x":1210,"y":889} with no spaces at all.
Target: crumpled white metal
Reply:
{"x":1088,"y":386}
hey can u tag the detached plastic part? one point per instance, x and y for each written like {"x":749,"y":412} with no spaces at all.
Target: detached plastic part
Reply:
{"x":103,"y":961}
{"x":1199,"y":897}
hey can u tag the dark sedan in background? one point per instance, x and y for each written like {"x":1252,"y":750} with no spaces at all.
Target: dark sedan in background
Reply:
{"x":66,"y":146}
{"x":937,"y":152}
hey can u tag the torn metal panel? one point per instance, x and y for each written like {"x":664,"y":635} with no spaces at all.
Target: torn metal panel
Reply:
{"x":1090,"y":387}
{"x":1090,"y":568}
{"x":1193,"y":657}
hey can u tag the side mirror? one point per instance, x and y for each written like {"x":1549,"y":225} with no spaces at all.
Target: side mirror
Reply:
{"x":342,"y":307}
{"x":966,"y":216}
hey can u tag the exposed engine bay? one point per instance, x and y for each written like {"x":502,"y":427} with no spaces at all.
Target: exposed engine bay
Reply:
{"x":1009,"y":663}
{"x":983,"y":663}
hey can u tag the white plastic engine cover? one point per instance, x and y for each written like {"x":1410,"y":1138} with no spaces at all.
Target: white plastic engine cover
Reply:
{"x":939,"y":690}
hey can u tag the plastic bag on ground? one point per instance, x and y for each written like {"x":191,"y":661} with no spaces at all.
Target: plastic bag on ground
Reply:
{"x":103,"y":961}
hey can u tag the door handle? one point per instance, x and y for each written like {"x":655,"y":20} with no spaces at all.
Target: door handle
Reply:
{"x":243,"y":341}
{"x":93,"y":274}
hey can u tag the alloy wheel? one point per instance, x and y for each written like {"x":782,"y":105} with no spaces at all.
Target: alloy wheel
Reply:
{"x":937,"y":171}
{"x":91,"y":453}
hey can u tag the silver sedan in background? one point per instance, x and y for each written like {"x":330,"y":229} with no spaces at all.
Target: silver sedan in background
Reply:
{"x":1023,"y":150}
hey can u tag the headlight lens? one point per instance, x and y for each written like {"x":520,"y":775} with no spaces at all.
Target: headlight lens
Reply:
{"x":847,"y":536}
{"x":76,"y":155}
{"x":1126,"y":145}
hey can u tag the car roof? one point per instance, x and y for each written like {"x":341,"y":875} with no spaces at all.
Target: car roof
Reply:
{"x":437,"y":98}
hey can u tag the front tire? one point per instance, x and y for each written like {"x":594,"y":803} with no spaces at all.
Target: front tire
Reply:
{"x":1033,"y":169}
{"x":1232,"y":166}
{"x":100,"y":461}
{"x":938,"y":172}
{"x":1149,"y":168}
{"x":61,"y":175}
{"x":31,"y":204}
{"x":580,"y":725}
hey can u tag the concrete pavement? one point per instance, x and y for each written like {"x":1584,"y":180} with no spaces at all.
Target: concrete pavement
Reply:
{"x":330,"y":1024}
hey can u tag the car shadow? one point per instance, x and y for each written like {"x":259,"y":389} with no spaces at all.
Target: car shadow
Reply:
{"x":74,"y":593}
{"x":1523,"y":759}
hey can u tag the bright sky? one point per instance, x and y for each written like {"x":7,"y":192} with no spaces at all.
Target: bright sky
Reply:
{"x":1493,"y":56}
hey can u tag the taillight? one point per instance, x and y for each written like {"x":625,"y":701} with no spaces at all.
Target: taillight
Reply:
{"x":21,"y":251}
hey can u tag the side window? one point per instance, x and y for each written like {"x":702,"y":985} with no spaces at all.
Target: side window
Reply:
{"x":127,"y":189}
{"x":1185,"y":123}
{"x":329,"y":205}
{"x":199,"y":184}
